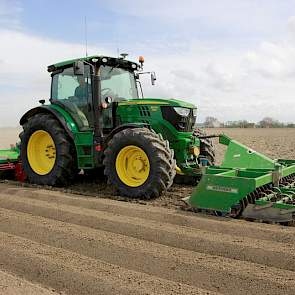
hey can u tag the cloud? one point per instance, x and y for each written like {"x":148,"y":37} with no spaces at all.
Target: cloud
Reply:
{"x":231,"y":79}
{"x":224,"y":82}
{"x":291,"y":24}
{"x":274,"y":60}
{"x":23,"y":72}
{"x":232,"y":83}
{"x":220,"y":17}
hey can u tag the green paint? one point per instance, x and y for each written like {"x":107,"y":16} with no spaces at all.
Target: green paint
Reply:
{"x":148,"y":111}
{"x":129,"y":112}
{"x":83,"y":140}
{"x":9,"y":155}
{"x":157,"y":101}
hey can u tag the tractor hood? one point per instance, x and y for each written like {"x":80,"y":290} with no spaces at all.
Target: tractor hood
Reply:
{"x":158,"y":101}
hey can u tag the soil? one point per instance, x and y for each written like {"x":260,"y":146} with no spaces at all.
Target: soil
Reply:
{"x":13,"y":285}
{"x":85,"y":239}
{"x":273,"y":142}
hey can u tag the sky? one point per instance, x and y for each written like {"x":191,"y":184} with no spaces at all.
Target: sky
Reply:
{"x":234,"y":59}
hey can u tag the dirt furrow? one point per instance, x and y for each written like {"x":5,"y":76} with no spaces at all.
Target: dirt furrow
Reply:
{"x":269,"y":253}
{"x":86,"y":245}
{"x":201,"y":270}
{"x":208,"y":223}
{"x":13,"y":285}
{"x":77,"y":274}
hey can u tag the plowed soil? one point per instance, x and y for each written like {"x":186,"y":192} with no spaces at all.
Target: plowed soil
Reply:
{"x":85,"y":240}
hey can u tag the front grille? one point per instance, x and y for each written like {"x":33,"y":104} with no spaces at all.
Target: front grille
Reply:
{"x":184,"y":124}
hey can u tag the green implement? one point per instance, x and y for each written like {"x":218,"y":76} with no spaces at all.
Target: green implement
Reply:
{"x":247,"y":184}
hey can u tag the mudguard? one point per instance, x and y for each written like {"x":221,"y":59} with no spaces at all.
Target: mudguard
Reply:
{"x":46,"y":109}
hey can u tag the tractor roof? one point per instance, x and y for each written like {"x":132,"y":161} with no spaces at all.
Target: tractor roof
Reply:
{"x":110,"y":61}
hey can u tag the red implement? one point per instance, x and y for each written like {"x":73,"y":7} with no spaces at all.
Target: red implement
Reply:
{"x":17,"y":168}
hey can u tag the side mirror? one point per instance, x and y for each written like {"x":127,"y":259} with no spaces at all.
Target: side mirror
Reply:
{"x":153,"y":77}
{"x":108,"y":100}
{"x":79,"y":68}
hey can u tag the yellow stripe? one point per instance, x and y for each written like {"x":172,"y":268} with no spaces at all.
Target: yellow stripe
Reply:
{"x":142,"y":102}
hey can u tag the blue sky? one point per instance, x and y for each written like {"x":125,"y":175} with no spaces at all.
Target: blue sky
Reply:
{"x":233,"y":58}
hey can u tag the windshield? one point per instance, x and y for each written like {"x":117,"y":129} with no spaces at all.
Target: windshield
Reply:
{"x":118,"y":83}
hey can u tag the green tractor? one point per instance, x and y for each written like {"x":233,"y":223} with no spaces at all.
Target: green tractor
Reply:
{"x":97,"y":119}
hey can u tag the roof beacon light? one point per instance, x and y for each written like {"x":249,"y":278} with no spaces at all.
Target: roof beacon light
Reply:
{"x":141,"y":60}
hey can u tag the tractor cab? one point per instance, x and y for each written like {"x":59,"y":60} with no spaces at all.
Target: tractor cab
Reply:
{"x":76,"y":90}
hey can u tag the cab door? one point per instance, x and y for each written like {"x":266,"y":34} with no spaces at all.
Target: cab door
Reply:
{"x":74,"y":94}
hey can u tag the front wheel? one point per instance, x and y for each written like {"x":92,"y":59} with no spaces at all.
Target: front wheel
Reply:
{"x":139,"y":163}
{"x":206,"y":146}
{"x":206,"y":151}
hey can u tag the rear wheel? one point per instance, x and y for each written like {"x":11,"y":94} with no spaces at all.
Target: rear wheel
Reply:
{"x":139,"y":163}
{"x":47,"y":151}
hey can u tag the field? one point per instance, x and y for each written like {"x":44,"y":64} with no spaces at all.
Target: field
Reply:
{"x":273,"y":142}
{"x":8,"y":136}
{"x":84,"y":239}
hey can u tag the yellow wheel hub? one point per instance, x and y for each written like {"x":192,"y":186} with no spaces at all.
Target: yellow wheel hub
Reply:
{"x":132,"y":166}
{"x":41,"y":152}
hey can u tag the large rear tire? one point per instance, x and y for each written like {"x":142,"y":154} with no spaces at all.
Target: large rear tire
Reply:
{"x":47,"y":152}
{"x":139,"y":163}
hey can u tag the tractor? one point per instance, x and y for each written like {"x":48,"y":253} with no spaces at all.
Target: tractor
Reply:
{"x":97,"y":118}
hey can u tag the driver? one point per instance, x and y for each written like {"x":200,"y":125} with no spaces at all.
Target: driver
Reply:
{"x":83,"y":90}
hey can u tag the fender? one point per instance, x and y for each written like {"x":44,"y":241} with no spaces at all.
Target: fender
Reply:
{"x":48,"y":110}
{"x":125,"y":126}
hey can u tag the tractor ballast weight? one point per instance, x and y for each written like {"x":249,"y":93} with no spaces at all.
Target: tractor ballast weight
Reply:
{"x":247,"y":184}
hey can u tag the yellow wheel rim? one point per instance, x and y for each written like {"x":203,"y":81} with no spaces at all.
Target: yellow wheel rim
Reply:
{"x":132,"y":166}
{"x":41,"y":152}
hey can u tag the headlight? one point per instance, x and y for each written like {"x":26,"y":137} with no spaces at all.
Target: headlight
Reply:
{"x":195,"y":112}
{"x":182,"y":111}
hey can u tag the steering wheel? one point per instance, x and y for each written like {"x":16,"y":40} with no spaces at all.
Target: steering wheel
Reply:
{"x":108,"y":90}
{"x":74,"y":99}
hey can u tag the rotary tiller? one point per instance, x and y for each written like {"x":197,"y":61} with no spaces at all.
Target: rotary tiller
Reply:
{"x":247,"y":184}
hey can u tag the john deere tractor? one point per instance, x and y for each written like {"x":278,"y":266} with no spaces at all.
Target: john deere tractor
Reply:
{"x":98,"y":119}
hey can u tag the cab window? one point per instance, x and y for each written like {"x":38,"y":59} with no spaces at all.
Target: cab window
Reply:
{"x":75,"y":94}
{"x":118,"y":83}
